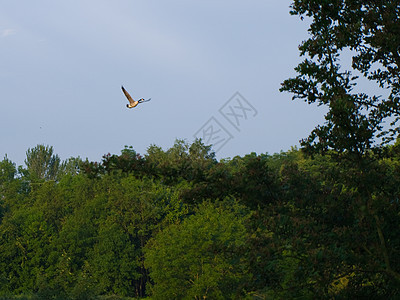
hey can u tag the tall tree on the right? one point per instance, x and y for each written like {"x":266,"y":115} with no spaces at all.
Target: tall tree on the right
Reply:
{"x":357,"y":130}
{"x":370,"y":32}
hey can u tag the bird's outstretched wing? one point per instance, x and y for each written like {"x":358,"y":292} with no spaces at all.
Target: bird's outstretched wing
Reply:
{"x":142,"y":100}
{"x":131,"y":101}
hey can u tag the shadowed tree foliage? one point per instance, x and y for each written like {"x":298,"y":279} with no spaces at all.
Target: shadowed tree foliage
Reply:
{"x":370,"y":32}
{"x":350,"y":201}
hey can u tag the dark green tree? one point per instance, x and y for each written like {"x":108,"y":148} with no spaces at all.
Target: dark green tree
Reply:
{"x":354,"y":134}
{"x":369,"y":31}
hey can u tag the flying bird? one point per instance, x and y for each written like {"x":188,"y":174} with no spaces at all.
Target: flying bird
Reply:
{"x":132,"y":103}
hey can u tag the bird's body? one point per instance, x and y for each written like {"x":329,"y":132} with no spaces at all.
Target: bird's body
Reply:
{"x":132,"y":103}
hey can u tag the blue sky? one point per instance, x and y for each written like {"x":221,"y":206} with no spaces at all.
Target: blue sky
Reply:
{"x":62,"y":64}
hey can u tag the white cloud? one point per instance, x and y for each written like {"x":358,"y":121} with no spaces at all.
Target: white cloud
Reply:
{"x":7,"y":32}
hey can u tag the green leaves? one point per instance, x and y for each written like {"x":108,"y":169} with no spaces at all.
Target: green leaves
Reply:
{"x":357,"y":127}
{"x":201,"y":256}
{"x":42,"y":163}
{"x":370,"y":30}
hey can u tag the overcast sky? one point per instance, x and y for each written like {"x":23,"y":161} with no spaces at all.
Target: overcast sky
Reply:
{"x":62,"y":64}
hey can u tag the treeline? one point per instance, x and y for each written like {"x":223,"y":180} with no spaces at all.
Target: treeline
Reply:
{"x":179,"y":224}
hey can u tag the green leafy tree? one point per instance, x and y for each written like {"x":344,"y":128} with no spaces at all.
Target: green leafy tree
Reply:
{"x":72,"y":166}
{"x":42,"y":163}
{"x":8,"y":171}
{"x":201,"y":257}
{"x":181,"y":162}
{"x":354,"y":132}
{"x":329,"y":229}
{"x":24,"y":237}
{"x":370,"y":32}
{"x":133,"y":210}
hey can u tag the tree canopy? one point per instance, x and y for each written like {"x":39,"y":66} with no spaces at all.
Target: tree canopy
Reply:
{"x":259,"y":226}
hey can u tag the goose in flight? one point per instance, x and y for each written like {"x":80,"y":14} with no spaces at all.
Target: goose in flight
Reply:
{"x":132,"y":103}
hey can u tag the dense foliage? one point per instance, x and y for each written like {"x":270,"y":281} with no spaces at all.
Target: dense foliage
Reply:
{"x":182,"y":225}
{"x":317,"y":223}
